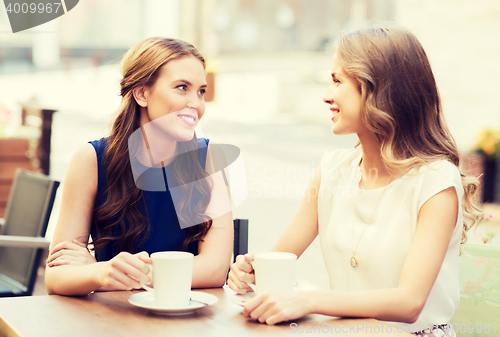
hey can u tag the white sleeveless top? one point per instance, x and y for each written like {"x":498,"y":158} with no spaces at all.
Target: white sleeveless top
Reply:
{"x":386,"y":241}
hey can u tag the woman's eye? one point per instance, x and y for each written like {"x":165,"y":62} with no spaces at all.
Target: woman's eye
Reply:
{"x":183,"y":87}
{"x":336,"y":81}
{"x":202,"y":92}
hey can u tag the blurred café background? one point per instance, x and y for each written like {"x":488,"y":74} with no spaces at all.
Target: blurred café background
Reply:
{"x":268,"y":69}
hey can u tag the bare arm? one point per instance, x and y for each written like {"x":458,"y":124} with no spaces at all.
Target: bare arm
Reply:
{"x":211,"y":264}
{"x":436,"y":221}
{"x":214,"y":253}
{"x":80,"y":188}
{"x":303,"y":228}
{"x":301,"y":231}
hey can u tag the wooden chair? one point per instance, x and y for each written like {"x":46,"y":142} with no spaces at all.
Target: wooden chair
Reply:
{"x":479,"y":277}
{"x":32,"y":108}
{"x":23,"y":232}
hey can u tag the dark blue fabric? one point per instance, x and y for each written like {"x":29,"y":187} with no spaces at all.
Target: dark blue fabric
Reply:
{"x":166,"y":233}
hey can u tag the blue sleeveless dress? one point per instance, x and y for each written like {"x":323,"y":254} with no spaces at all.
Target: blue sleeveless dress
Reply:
{"x":165,"y":233}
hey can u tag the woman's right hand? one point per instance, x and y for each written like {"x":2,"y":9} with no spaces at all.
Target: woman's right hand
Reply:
{"x":241,"y":274}
{"x":70,"y":253}
{"x":125,"y":272}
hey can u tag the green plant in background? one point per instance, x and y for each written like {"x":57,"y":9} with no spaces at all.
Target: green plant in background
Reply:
{"x":489,"y":236}
{"x":479,"y":279}
{"x":487,"y":143}
{"x":487,"y":286}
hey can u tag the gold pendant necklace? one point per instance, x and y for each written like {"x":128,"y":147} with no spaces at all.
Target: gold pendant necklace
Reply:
{"x":354,"y":261}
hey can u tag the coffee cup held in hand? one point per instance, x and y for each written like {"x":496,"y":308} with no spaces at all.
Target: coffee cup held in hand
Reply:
{"x":274,"y":272}
{"x":172,"y":274}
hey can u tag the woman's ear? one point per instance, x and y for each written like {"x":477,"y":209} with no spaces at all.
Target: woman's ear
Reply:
{"x":140,"y":97}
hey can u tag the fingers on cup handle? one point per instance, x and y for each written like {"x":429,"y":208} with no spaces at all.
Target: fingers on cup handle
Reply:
{"x":236,"y":287}
{"x":249,"y":257}
{"x":147,"y":267}
{"x":252,"y":287}
{"x":239,"y":259}
{"x":144,"y":256}
{"x":149,"y":273}
{"x":244,"y":264}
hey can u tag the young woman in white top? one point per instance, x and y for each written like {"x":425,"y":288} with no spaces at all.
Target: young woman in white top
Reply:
{"x":390,"y":213}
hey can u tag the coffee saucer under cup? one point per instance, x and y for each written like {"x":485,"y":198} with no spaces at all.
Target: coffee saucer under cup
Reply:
{"x":198,"y":300}
{"x":241,"y":299}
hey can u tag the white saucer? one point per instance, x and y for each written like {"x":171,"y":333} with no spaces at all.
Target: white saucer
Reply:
{"x":146,"y":300}
{"x":241,"y":299}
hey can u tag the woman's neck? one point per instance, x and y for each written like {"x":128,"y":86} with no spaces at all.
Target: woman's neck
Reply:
{"x":374,"y":173}
{"x":160,"y":149}
{"x":158,"y":152}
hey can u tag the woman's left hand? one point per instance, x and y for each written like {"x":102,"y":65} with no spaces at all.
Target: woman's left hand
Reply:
{"x":70,"y":253}
{"x":279,"y":307}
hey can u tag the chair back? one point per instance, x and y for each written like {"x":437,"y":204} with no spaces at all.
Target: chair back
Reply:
{"x":27,"y":214}
{"x":479,"y":276}
{"x":240,"y":243}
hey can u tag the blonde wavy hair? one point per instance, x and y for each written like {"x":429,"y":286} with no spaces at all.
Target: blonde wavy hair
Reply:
{"x":401,"y":104}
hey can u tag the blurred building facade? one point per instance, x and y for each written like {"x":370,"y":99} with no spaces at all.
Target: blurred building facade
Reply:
{"x":101,"y":30}
{"x":290,"y":25}
{"x":460,"y":37}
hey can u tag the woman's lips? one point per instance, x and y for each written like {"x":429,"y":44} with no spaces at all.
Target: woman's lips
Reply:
{"x":335,"y":114}
{"x":188,"y":119}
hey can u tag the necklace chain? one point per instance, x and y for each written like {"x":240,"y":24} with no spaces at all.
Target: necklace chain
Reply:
{"x":354,"y":261}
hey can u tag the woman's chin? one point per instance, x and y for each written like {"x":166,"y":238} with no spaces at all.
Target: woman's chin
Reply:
{"x":185,"y":137}
{"x":342,"y":130}
{"x":335,"y":131}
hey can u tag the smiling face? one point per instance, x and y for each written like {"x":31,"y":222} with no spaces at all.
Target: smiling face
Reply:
{"x":344,"y":99}
{"x":177,"y":96}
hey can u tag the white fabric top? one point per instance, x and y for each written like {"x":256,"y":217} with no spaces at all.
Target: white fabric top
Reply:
{"x":384,"y":246}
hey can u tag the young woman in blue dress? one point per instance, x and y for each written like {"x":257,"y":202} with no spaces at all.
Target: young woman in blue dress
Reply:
{"x":390,"y":213}
{"x":163,"y":79}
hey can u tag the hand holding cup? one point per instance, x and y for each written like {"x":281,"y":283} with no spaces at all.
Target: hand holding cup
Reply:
{"x":242,"y":274}
{"x":263,"y":272}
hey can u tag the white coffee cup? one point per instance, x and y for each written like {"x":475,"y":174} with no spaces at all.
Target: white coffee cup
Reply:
{"x":274,"y":271}
{"x":172,"y":274}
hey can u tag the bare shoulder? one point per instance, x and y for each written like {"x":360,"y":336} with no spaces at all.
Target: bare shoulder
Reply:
{"x":83,"y":167}
{"x":79,"y":192}
{"x":85,"y":154}
{"x":84,"y":159}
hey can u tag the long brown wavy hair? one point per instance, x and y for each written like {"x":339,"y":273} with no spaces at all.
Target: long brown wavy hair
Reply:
{"x":401,"y":105}
{"x":140,"y":66}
